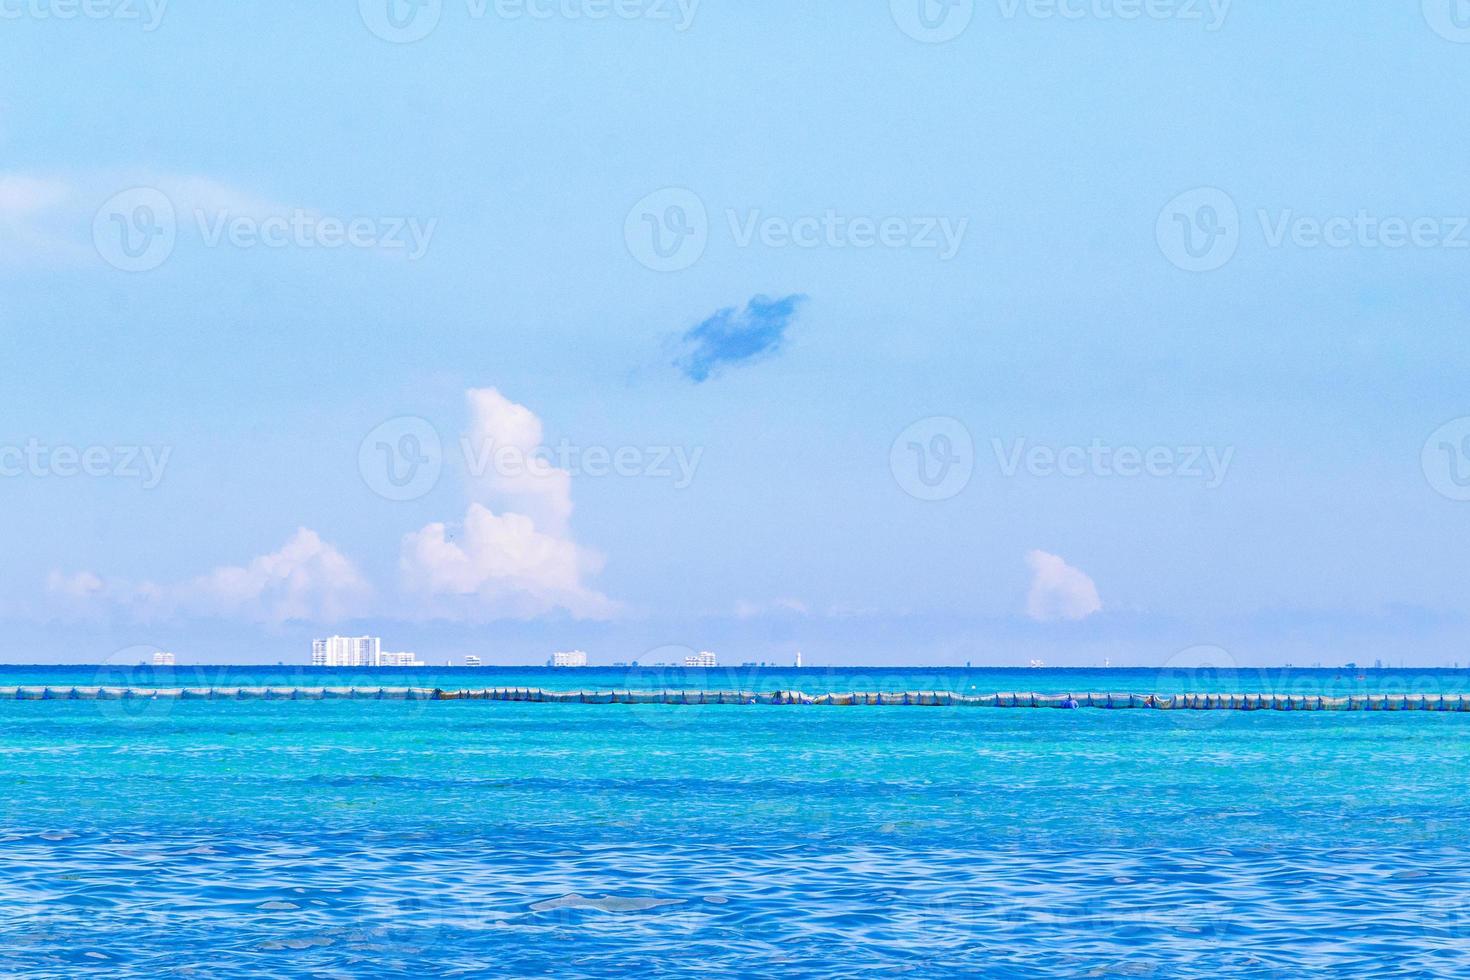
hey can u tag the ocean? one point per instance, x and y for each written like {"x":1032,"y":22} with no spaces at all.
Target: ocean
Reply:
{"x":471,"y":838}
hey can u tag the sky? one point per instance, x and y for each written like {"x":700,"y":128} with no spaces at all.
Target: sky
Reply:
{"x":910,"y":332}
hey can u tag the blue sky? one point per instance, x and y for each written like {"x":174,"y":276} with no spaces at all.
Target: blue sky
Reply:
{"x":917,"y":318}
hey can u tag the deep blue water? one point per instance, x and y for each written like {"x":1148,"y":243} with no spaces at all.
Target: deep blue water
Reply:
{"x":471,"y":838}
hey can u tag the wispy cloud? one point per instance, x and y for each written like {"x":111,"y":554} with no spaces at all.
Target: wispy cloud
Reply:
{"x":748,"y":609}
{"x":1059,"y":591}
{"x":735,"y":336}
{"x":32,"y":218}
{"x":48,"y":218}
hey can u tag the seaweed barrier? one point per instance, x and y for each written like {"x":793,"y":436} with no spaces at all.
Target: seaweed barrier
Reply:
{"x":940,"y":699}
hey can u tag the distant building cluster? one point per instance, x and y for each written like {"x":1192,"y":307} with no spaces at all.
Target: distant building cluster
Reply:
{"x":161,"y":659}
{"x":358,"y":651}
{"x":367,"y":651}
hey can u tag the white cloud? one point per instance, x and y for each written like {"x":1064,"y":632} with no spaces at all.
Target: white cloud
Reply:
{"x":505,"y":566}
{"x":518,"y":562}
{"x":306,"y":579}
{"x":521,"y":562}
{"x":1059,"y":591}
{"x":506,"y":472}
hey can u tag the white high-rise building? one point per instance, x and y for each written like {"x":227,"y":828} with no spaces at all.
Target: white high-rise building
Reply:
{"x":161,"y":659}
{"x":569,"y":658}
{"x":702,"y":659}
{"x":347,"y":651}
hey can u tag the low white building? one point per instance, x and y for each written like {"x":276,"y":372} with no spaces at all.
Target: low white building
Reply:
{"x":569,"y":658}
{"x":471,"y":661}
{"x":161,"y":659}
{"x":701,"y":659}
{"x":388,"y":658}
{"x":347,"y":651}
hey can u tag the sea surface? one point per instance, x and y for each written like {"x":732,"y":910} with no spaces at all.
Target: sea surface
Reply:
{"x":472,"y":838}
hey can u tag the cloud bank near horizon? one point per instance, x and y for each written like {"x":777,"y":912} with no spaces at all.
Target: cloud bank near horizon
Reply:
{"x":511,"y":556}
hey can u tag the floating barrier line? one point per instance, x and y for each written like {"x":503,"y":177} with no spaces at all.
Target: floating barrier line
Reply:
{"x":1105,"y":701}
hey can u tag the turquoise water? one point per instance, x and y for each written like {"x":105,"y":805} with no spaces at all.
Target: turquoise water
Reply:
{"x":392,"y":838}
